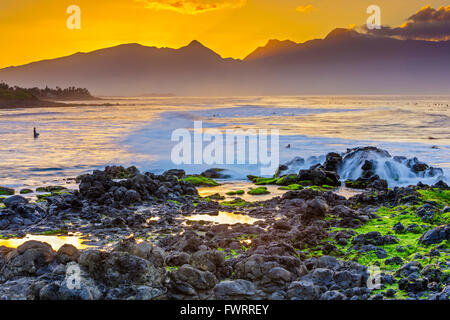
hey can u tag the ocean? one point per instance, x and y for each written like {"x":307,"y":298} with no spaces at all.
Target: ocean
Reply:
{"x":137,"y":131}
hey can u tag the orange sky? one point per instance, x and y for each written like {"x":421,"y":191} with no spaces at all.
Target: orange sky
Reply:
{"x":36,"y":29}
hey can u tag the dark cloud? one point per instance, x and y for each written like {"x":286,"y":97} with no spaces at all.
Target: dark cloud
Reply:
{"x":427,"y":23}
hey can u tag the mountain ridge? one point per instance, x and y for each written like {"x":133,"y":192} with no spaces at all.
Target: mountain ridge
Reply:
{"x":344,"y":62}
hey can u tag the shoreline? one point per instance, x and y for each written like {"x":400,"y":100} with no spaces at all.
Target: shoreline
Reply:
{"x":146,"y":236}
{"x":19,"y":104}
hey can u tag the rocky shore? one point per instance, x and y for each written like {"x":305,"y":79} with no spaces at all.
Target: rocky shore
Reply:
{"x":310,"y":243}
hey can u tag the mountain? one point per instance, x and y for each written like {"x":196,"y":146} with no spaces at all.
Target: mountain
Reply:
{"x":344,"y":62}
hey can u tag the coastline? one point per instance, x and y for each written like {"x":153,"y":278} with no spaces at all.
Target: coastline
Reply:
{"x":145,"y":236}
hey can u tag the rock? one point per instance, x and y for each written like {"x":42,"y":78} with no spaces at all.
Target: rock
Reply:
{"x":302,"y":290}
{"x":333,"y":295}
{"x":162,"y":192}
{"x":235,"y":290}
{"x":374,"y":238}
{"x":315,"y":209}
{"x":282,"y":225}
{"x":118,"y":268}
{"x":208,"y":260}
{"x":178,"y":259}
{"x":131,"y":196}
{"x":280,"y":275}
{"x":333,"y":162}
{"x":346,"y":279}
{"x":4,"y":191}
{"x":31,"y":258}
{"x":119,"y":172}
{"x":211,"y":173}
{"x":398,"y":227}
{"x":328,"y":262}
{"x":68,"y":253}
{"x":189,"y":277}
{"x":319,"y":177}
{"x":435,"y":235}
{"x":413,"y":228}
{"x":408,"y":268}
{"x":390,"y":293}
{"x":14,"y":201}
{"x":413,"y":285}
{"x":322,"y":276}
{"x":393,"y":260}
{"x":175,"y":172}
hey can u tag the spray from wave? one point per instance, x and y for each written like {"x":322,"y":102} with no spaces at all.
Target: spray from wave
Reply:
{"x":369,"y":163}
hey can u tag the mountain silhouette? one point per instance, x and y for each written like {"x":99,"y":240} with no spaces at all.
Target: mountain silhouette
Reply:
{"x":344,"y":62}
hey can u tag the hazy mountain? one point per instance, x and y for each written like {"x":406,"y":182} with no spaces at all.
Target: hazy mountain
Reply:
{"x":345,"y":62}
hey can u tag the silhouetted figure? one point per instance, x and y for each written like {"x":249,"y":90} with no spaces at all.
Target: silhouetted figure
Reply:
{"x":36,"y":135}
{"x":288,"y":146}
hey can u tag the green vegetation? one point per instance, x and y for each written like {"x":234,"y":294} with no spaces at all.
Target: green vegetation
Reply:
{"x":17,"y":93}
{"x":53,"y":232}
{"x":201,"y":181}
{"x":50,"y":189}
{"x":216,"y":196}
{"x":287,"y":180}
{"x":26,"y":191}
{"x":171,"y":268}
{"x":258,"y":191}
{"x":322,"y":188}
{"x":305,"y":183}
{"x":174,"y":201}
{"x":408,"y":248}
{"x":4,"y":191}
{"x":292,"y":187}
{"x":264,"y":181}
{"x":442,"y":197}
{"x":231,"y":253}
{"x":235,"y":203}
{"x":43,"y":197}
{"x":237,"y":192}
{"x":355,"y":184}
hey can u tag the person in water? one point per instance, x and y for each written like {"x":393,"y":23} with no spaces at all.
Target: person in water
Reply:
{"x":35,"y":133}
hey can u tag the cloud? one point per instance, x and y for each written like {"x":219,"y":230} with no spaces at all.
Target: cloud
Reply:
{"x":426,"y":24}
{"x":192,"y":6}
{"x":305,"y":9}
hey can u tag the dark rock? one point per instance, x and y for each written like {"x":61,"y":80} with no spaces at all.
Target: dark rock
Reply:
{"x":31,"y":258}
{"x":235,"y":290}
{"x":14,"y":201}
{"x":435,"y":235}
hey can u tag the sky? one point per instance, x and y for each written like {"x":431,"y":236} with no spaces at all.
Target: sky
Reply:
{"x":33,"y":30}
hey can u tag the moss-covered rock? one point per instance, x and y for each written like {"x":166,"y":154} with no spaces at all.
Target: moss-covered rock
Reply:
{"x":234,"y":193}
{"x":258,"y":191}
{"x":26,"y":191}
{"x":287,"y":180}
{"x":4,"y":191}
{"x":356,"y":184}
{"x":200,"y":181}
{"x":292,"y":187}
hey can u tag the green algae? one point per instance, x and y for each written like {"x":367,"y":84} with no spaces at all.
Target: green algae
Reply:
{"x":234,"y":193}
{"x":201,"y":181}
{"x":258,"y":191}
{"x":292,"y":187}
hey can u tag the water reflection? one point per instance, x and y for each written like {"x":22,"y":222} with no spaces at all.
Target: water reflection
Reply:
{"x":224,"y":218}
{"x":55,"y":242}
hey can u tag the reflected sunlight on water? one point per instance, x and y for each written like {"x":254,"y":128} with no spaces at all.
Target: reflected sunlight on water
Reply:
{"x":55,"y":242}
{"x":224,"y":218}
